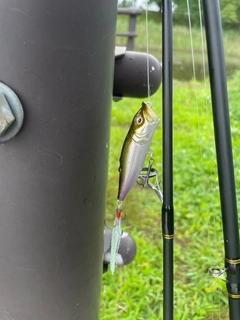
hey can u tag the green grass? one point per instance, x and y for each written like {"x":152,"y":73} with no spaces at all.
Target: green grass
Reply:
{"x":135,"y":290}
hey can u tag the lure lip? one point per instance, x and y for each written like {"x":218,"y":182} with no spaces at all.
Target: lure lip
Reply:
{"x":148,"y":112}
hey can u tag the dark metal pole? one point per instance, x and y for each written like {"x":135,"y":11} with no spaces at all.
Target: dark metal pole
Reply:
{"x":224,"y":153}
{"x":167,"y":208}
{"x":58,"y":57}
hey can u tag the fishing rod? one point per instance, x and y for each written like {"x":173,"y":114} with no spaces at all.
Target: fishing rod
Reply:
{"x":223,"y":143}
{"x":167,"y":207}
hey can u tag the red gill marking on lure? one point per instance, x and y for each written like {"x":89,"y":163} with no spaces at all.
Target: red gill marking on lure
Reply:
{"x":118,"y":213}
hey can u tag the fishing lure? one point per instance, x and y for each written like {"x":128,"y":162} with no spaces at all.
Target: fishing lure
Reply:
{"x":135,"y":148}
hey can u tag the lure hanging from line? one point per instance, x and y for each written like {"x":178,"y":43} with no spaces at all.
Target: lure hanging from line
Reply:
{"x":136,"y":147}
{"x":134,"y":151}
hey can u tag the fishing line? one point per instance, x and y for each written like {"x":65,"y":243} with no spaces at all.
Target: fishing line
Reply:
{"x":147,"y":50}
{"x":202,"y":46}
{"x":193,"y":64}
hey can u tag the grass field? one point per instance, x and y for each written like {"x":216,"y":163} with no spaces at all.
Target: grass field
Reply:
{"x":134,"y":292}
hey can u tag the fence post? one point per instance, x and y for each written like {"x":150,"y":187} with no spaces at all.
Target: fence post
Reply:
{"x":131,"y":34}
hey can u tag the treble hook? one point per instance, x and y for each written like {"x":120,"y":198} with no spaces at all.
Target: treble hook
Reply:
{"x":145,"y":180}
{"x":144,"y":177}
{"x":109,"y":227}
{"x":156,"y":188}
{"x":112,"y":227}
{"x":116,"y":236}
{"x":150,"y":162}
{"x":118,"y":216}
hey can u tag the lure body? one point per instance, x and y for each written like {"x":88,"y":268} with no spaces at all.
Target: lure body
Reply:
{"x":134,"y":151}
{"x":135,"y":148}
{"x":115,"y":239}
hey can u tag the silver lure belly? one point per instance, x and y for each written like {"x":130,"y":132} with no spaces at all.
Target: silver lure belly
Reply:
{"x":131,"y":166}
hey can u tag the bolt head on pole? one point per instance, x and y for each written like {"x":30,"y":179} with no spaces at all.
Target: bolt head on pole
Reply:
{"x":6,"y":115}
{"x":11,"y":113}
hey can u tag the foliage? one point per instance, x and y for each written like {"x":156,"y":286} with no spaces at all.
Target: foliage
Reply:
{"x":180,"y":14}
{"x":135,"y":290}
{"x":230,"y":11}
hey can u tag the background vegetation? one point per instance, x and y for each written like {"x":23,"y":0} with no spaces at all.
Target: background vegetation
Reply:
{"x":134,"y":292}
{"x":230,"y":11}
{"x":182,"y":60}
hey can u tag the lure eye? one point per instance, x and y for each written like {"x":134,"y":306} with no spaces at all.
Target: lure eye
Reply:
{"x":139,"y":119}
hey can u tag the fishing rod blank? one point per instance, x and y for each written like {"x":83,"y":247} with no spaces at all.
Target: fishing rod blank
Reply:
{"x":167,"y":207}
{"x":224,"y":153}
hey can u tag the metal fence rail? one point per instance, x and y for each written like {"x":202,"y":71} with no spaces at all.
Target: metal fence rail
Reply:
{"x":130,"y":34}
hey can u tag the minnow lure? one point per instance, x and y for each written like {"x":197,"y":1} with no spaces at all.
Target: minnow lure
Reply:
{"x":134,"y":151}
{"x":135,"y":148}
{"x":116,"y":237}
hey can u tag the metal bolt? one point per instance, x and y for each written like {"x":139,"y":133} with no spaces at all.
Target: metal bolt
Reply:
{"x":11,"y":113}
{"x":6,"y":115}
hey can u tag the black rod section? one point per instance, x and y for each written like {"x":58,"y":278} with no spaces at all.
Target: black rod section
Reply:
{"x":167,"y":208}
{"x":224,"y":152}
